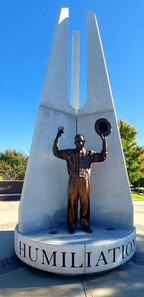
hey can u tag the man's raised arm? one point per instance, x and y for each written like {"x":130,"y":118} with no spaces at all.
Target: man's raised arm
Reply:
{"x":104,"y":147}
{"x":100,"y":157}
{"x":56,"y":141}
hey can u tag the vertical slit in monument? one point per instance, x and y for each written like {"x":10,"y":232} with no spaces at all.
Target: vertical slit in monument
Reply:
{"x":75,"y":70}
{"x":78,"y":68}
{"x":75,"y":62}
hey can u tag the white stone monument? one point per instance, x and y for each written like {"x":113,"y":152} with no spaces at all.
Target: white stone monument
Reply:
{"x":41,"y":236}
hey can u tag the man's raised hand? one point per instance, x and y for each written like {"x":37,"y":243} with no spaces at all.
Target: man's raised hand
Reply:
{"x":60,"y":131}
{"x":103,"y":137}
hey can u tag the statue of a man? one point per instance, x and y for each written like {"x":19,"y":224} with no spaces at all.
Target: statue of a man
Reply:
{"x":79,"y":163}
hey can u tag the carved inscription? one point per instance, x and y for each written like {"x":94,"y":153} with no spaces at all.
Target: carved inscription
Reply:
{"x":71,"y":259}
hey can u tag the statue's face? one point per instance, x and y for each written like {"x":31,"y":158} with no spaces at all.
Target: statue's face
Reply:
{"x":79,"y":142}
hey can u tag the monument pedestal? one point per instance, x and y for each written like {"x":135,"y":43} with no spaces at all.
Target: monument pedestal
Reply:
{"x":57,"y":251}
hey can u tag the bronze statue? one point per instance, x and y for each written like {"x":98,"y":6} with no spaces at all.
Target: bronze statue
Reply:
{"x":79,"y":163}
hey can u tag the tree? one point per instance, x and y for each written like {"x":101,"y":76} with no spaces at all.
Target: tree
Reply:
{"x":134,"y":154}
{"x":13,"y":164}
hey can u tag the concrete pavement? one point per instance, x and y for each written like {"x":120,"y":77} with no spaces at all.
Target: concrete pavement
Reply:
{"x":17,"y":279}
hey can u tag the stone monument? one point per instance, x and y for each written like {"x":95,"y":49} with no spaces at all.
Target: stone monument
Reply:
{"x":41,"y":236}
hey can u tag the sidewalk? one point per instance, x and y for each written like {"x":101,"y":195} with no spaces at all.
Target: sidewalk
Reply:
{"x":17,"y":279}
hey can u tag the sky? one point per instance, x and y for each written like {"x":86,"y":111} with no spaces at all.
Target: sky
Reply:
{"x":26,"y":32}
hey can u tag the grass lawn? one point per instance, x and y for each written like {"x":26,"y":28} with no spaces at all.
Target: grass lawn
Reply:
{"x":137,"y":197}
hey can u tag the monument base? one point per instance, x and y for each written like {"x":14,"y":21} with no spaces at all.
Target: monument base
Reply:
{"x":57,"y":251}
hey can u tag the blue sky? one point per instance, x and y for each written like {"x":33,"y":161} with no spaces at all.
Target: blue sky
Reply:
{"x":26,"y":31}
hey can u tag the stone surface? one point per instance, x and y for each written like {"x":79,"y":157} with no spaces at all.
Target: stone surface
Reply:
{"x":99,"y":95}
{"x":57,"y":251}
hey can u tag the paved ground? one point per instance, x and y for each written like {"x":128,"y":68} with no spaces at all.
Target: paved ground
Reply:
{"x":17,"y":279}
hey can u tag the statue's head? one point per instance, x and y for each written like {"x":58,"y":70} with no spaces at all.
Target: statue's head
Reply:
{"x":79,"y":141}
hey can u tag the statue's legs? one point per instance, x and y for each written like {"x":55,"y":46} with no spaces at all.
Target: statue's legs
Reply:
{"x":78,"y":188}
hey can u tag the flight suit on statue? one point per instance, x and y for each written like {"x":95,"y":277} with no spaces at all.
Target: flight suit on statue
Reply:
{"x":79,"y":163}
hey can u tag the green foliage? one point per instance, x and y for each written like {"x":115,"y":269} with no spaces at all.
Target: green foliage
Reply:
{"x":134,"y":154}
{"x":12,"y":164}
{"x":137,"y":197}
